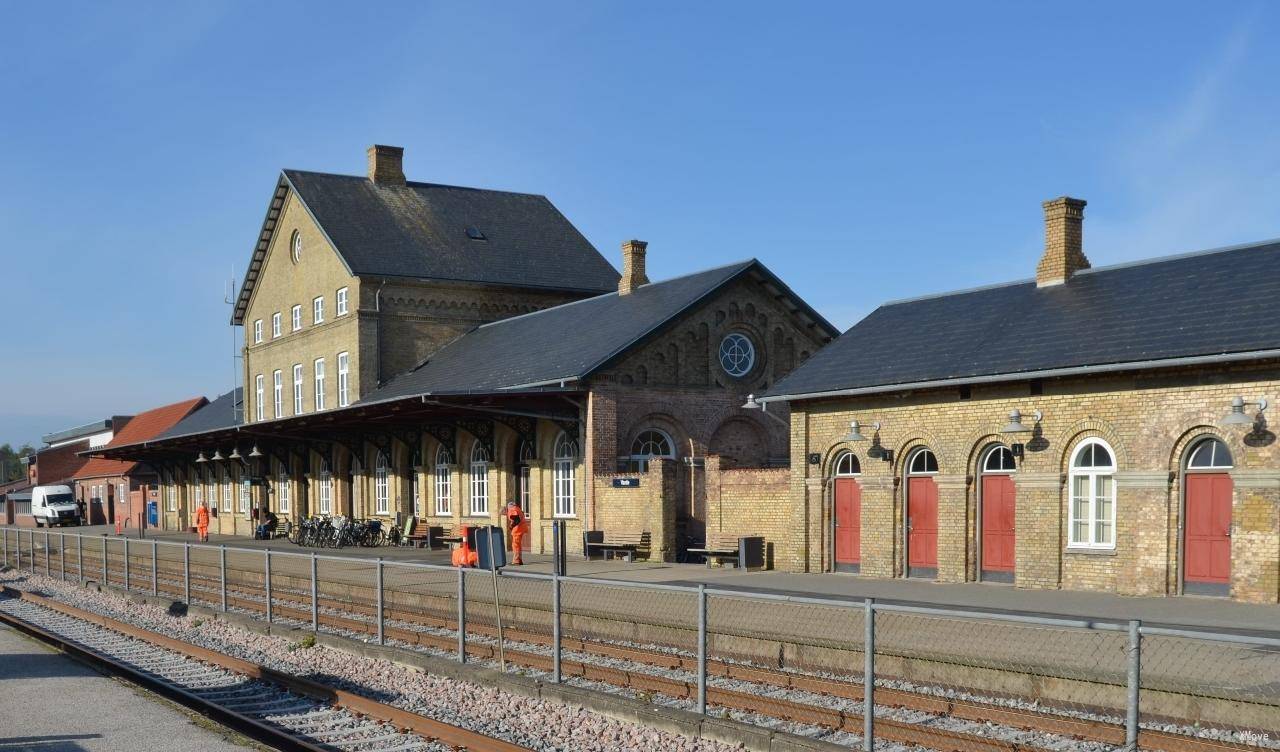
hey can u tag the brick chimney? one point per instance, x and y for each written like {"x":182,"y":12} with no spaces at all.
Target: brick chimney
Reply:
{"x":632,"y":266}
{"x":1063,"y":241}
{"x":386,"y":164}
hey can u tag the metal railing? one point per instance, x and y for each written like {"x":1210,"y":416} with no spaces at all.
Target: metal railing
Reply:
{"x":1130,"y":671}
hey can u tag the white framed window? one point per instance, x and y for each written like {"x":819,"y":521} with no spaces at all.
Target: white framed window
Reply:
{"x":847,"y":465}
{"x":342,"y":301}
{"x":650,"y":444}
{"x":259,"y":397}
{"x":295,"y":247}
{"x":317,"y":310}
{"x":282,"y":490}
{"x":199,"y":492}
{"x":923,"y":462}
{"x":319,"y":384}
{"x":737,"y":354}
{"x":442,"y":475}
{"x":1210,"y":454}
{"x":479,"y":480}
{"x":1091,"y":515}
{"x":275,"y":325}
{"x":296,"y":313}
{"x":244,"y":496}
{"x":381,"y":485}
{"x":325,"y":492}
{"x":999,"y":460}
{"x":344,"y":381}
{"x":277,"y":392}
{"x":563,"y":479}
{"x":417,"y":492}
{"x":122,"y":494}
{"x":213,"y":494}
{"x":171,"y":495}
{"x":257,"y":331}
{"x":226,"y":490}
{"x":297,"y":389}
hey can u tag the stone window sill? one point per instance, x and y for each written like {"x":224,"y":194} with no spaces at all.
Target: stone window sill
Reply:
{"x":1092,"y":551}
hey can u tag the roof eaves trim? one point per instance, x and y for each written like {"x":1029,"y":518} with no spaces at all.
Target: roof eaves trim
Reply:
{"x":1131,"y":365}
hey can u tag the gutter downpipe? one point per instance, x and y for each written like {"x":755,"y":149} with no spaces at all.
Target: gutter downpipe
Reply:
{"x":377,"y":341}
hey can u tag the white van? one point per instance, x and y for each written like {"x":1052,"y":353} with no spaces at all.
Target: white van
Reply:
{"x":54,"y":505}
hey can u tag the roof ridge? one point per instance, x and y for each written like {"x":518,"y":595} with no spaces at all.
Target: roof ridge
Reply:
{"x":1092,"y":270}
{"x":421,"y":183}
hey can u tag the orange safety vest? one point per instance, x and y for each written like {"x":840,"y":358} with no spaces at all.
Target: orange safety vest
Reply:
{"x":202,"y":517}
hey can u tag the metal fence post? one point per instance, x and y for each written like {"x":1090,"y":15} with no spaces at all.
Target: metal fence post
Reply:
{"x":155,"y":570}
{"x":868,"y":675}
{"x":62,"y":556}
{"x":381,"y":639}
{"x":702,"y":649}
{"x":186,"y":573}
{"x":555,"y":628}
{"x":126,"y":565}
{"x":46,"y":554}
{"x":17,"y":547}
{"x":106,"y":579}
{"x":33,"y":551}
{"x":315,"y":605}
{"x":222,"y":575}
{"x":462,"y":616}
{"x":80,"y":557}
{"x":266,"y":584}
{"x":1135,"y":682}
{"x":4,"y":541}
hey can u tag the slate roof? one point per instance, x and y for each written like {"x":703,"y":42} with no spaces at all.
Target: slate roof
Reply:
{"x":567,"y":342}
{"x":220,"y":413}
{"x":143,"y":427}
{"x":1214,"y":304}
{"x":420,"y":230}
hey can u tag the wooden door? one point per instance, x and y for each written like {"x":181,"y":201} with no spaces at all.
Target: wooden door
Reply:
{"x":848,"y":524}
{"x":1207,"y":549}
{"x":922,"y":527}
{"x":998,"y":502}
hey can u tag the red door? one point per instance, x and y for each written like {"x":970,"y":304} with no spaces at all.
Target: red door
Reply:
{"x":848,"y":512}
{"x":922,"y":526}
{"x":998,"y":499}
{"x":1208,"y":533}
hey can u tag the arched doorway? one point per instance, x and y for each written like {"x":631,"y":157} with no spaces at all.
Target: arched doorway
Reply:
{"x":846,"y":513}
{"x":997,"y":500}
{"x":1206,"y":542}
{"x":922,"y":515}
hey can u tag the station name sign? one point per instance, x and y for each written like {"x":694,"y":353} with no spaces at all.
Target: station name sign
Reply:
{"x":626,"y":482}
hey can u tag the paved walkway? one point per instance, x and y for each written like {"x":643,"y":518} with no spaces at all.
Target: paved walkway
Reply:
{"x":1209,"y":613}
{"x":51,"y":703}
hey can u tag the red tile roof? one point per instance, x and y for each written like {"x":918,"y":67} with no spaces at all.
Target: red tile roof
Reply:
{"x":143,"y":427}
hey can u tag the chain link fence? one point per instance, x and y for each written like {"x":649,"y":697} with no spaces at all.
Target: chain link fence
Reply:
{"x":941,"y":678}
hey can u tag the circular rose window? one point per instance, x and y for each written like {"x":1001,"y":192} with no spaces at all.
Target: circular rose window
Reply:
{"x":737,"y":355}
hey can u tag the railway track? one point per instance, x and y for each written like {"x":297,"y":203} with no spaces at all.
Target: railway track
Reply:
{"x":282,"y":711}
{"x":352,"y":616}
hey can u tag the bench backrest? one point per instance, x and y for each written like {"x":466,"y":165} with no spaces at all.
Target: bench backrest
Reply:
{"x":722,"y":541}
{"x":626,"y":538}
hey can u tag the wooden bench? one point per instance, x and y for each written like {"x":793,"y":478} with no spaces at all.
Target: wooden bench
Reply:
{"x":745,"y":552}
{"x":614,"y":542}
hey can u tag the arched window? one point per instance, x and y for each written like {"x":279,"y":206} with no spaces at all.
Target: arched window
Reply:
{"x":171,"y":493}
{"x":1092,"y":513}
{"x":357,"y":480}
{"x":199,"y":491}
{"x":1210,"y":454}
{"x":563,"y":478}
{"x":650,"y":444}
{"x":282,"y":490}
{"x":381,"y":486}
{"x":244,"y":495}
{"x":737,"y":355}
{"x":999,"y":460}
{"x":324,"y":496}
{"x":923,"y":462}
{"x":479,"y":480}
{"x":847,"y":465}
{"x":443,"y":481}
{"x":225,"y":477}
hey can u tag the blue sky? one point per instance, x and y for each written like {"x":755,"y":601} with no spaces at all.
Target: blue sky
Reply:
{"x":865,"y":152}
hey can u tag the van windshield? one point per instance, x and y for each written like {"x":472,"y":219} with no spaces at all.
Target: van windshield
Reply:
{"x":62,"y":498}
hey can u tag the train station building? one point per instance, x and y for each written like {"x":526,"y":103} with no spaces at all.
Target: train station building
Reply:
{"x":1091,"y":429}
{"x":413,"y":349}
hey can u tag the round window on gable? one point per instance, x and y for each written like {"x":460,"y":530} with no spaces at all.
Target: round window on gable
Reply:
{"x":737,"y":355}
{"x":295,"y":247}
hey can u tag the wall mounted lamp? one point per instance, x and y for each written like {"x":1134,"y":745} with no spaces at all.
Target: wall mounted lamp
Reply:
{"x":1238,"y":417}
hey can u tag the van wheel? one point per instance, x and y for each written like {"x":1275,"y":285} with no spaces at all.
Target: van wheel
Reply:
{"x":38,"y":523}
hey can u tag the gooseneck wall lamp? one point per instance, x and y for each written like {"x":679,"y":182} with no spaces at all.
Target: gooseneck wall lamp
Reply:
{"x":1238,"y":417}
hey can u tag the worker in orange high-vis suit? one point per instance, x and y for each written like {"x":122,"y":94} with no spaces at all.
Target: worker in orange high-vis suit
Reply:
{"x":515,"y":523}
{"x":463,"y":555}
{"x":202,"y":523}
